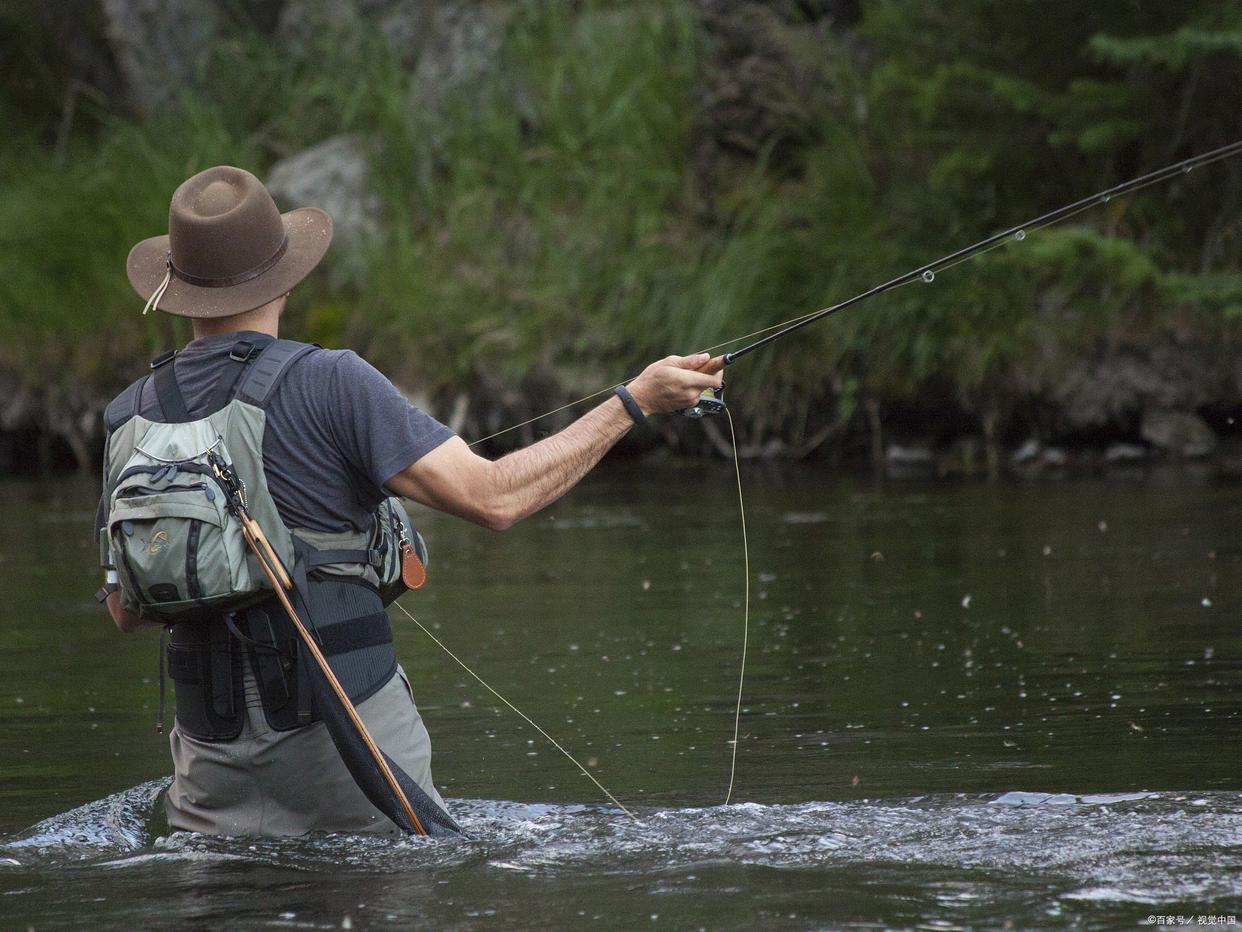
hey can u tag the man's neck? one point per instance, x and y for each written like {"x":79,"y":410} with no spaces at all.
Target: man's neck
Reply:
{"x":265,"y":319}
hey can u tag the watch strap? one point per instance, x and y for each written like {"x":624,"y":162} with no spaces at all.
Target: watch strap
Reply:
{"x":631,"y":406}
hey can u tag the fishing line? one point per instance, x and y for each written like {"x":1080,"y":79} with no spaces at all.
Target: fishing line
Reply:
{"x":608,"y":391}
{"x":529,"y":721}
{"x":741,"y":677}
{"x":925,"y":273}
{"x":540,"y":417}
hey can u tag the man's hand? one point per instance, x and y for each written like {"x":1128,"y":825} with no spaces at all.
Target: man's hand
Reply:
{"x":454,"y":479}
{"x":676,"y":382}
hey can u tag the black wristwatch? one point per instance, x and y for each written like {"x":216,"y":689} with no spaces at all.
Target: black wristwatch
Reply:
{"x":631,"y":405}
{"x":102,"y":593}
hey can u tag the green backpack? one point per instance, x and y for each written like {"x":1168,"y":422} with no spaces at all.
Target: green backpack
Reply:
{"x":170,"y":534}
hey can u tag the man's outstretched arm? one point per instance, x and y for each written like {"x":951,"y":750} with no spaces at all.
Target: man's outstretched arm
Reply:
{"x":498,"y":493}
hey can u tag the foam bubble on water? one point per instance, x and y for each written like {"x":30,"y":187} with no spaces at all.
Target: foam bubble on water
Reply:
{"x":804,"y":517}
{"x":1115,"y":843}
{"x":120,"y":821}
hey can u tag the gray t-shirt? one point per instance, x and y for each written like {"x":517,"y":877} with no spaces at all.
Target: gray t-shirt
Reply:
{"x":336,"y":431}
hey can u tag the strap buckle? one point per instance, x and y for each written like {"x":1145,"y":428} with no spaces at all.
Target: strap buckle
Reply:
{"x":163,"y":358}
{"x":242,"y":350}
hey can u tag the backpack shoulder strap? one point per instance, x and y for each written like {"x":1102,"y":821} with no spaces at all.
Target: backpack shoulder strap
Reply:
{"x":125,"y":405}
{"x":172,"y":402}
{"x":260,"y":378}
{"x":243,"y":353}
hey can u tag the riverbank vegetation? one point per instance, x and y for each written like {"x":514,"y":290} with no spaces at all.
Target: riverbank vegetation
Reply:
{"x":567,"y":190}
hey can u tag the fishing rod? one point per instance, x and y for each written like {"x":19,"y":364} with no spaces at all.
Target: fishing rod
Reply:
{"x":712,"y":401}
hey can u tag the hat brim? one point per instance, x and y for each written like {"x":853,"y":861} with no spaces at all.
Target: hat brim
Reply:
{"x":310,"y":233}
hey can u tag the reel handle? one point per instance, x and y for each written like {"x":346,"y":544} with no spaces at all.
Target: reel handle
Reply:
{"x":711,"y":402}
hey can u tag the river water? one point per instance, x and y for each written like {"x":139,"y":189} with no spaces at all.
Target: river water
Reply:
{"x":966,"y":705}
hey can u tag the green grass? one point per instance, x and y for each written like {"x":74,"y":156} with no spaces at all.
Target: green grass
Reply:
{"x":546,"y":230}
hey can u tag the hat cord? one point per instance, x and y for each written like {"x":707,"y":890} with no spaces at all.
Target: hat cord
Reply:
{"x":153,"y":302}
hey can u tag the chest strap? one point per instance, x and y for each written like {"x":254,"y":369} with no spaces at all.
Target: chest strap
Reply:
{"x":318,"y":558}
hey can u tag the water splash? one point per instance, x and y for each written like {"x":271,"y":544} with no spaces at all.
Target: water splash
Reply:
{"x":1099,"y":848}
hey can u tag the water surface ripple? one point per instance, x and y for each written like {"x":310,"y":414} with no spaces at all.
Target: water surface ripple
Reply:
{"x":967,"y":706}
{"x":981,"y":857}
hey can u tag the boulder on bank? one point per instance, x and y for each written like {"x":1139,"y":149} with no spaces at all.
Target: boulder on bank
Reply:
{"x":768,"y":63}
{"x":904,"y":461}
{"x":1171,"y":373}
{"x":307,"y":24}
{"x":1178,"y":432}
{"x":1125,"y":453}
{"x":159,"y":45}
{"x":461,"y":47}
{"x":333,"y":175}
{"x":447,"y":45}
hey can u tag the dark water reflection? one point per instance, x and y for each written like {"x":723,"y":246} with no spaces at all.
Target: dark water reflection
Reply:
{"x":921,"y":657}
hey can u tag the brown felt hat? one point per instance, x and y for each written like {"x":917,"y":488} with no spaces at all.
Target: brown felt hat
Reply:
{"x":228,"y":249}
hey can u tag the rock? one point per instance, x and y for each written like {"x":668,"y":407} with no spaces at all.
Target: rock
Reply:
{"x":1178,"y":432}
{"x":460,"y":47}
{"x":1053,"y":457}
{"x":19,"y":407}
{"x":85,"y":48}
{"x":914,"y":455}
{"x":774,"y":69}
{"x":335,"y":176}
{"x":446,"y":44}
{"x":449,"y":46}
{"x":159,"y":45}
{"x":1125,"y":453}
{"x":908,"y":462}
{"x":1026,"y":453}
{"x":1168,"y":374}
{"x":402,"y":24}
{"x":305,"y":24}
{"x":1033,"y":458}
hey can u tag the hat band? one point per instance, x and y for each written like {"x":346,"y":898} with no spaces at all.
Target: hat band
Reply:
{"x":230,"y":280}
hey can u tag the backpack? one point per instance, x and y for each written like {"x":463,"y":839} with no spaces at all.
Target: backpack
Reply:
{"x":170,"y":531}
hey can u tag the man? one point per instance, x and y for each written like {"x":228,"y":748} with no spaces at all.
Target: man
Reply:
{"x":338,"y":439}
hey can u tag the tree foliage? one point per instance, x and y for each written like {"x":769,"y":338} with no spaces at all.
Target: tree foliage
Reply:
{"x":550,"y":226}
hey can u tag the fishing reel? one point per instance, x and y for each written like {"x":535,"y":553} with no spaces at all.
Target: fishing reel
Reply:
{"x":710,"y":403}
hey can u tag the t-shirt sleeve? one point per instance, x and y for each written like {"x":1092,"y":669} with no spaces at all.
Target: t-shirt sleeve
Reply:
{"x":379,"y":431}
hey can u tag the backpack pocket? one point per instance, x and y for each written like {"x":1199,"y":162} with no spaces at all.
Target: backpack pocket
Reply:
{"x":178,"y":548}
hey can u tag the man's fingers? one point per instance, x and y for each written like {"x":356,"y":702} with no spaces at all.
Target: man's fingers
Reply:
{"x":699,"y":379}
{"x":690,"y":362}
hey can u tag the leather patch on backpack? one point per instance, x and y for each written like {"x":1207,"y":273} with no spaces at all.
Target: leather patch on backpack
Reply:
{"x":413,"y":573}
